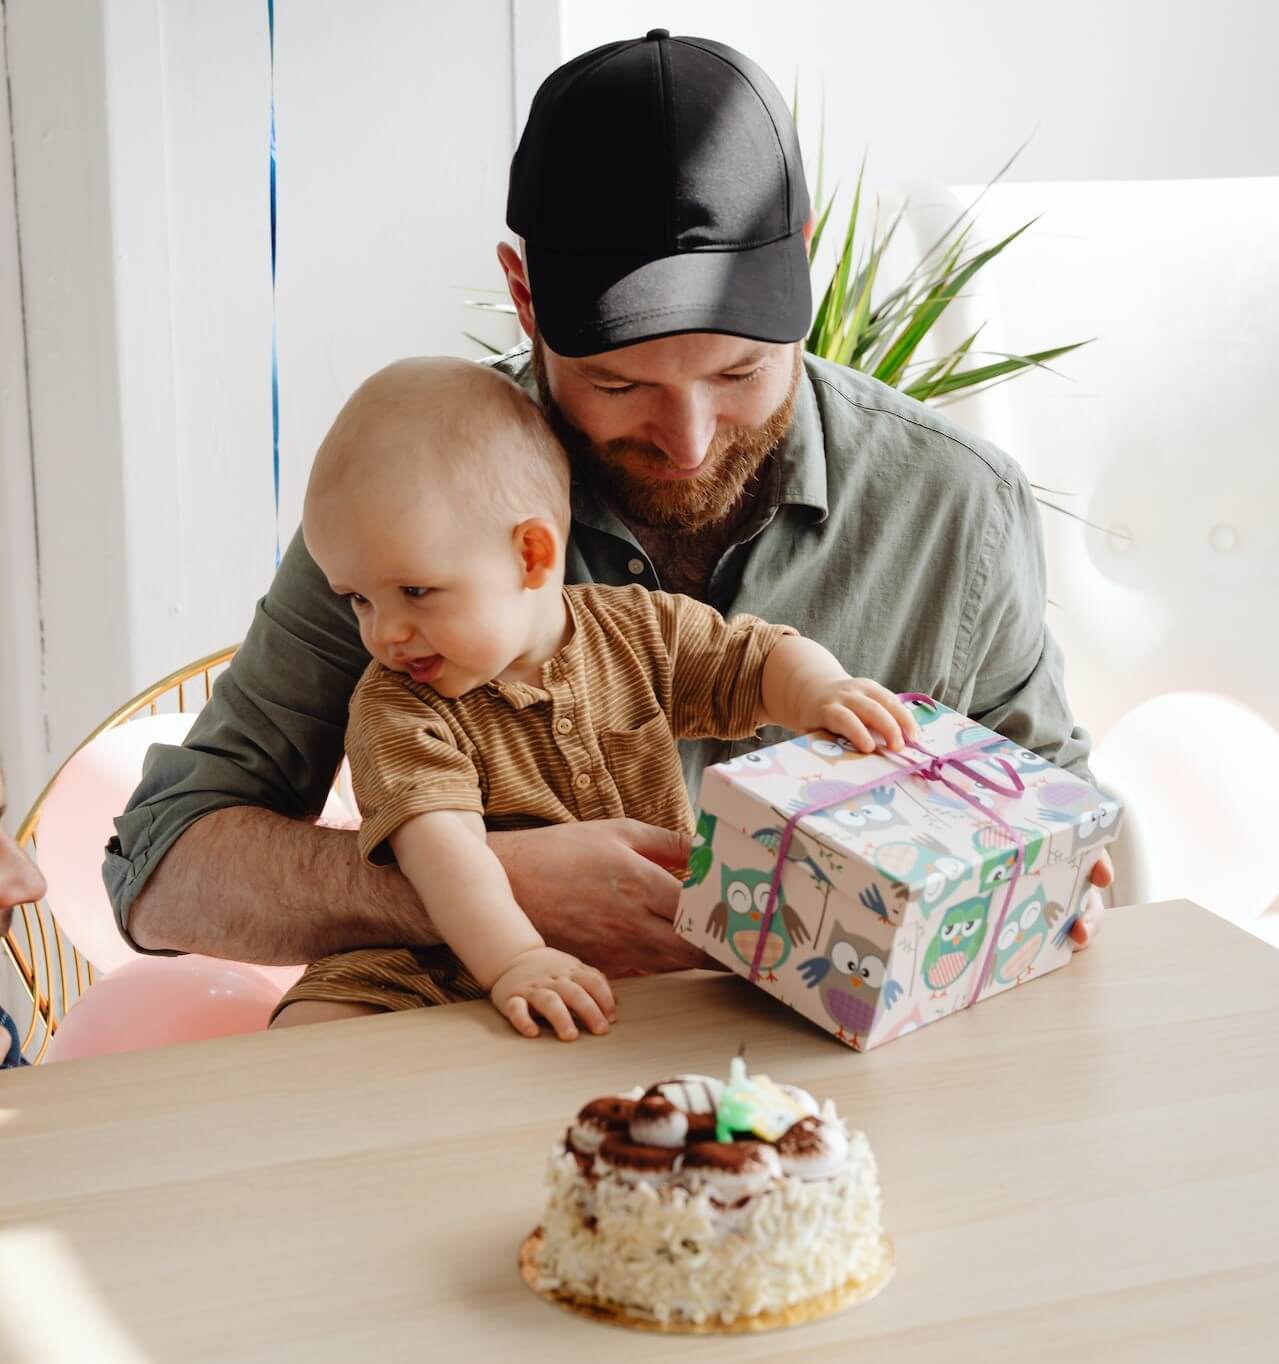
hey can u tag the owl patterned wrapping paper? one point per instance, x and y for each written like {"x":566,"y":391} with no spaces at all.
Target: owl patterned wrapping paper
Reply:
{"x":894,"y":903}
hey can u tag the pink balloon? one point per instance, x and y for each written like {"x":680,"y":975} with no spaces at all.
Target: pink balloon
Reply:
{"x":281,"y":977}
{"x":94,"y":787}
{"x":77,"y":819}
{"x":161,"y":1001}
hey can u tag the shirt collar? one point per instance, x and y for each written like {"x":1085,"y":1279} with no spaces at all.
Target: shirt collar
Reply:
{"x":801,"y":457}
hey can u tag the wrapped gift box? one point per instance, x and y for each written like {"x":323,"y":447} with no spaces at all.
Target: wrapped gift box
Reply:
{"x":901,"y":900}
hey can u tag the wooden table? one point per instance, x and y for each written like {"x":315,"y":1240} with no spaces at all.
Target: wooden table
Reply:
{"x":1084,"y":1169}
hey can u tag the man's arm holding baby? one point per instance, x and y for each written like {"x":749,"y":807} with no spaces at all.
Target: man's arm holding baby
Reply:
{"x":468,"y":896}
{"x":218,"y":852}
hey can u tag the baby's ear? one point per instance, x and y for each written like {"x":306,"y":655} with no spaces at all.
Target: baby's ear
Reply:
{"x":538,"y":545}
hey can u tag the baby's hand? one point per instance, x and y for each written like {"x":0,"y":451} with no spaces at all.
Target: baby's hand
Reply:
{"x":555,"y":985}
{"x":853,"y":706}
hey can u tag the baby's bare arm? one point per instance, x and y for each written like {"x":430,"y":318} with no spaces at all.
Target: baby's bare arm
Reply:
{"x":465,"y":890}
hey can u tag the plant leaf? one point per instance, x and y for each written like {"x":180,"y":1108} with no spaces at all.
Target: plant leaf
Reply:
{"x":983,"y":374}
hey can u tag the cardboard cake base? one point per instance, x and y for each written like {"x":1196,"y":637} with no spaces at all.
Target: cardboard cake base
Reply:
{"x":811,"y":1309}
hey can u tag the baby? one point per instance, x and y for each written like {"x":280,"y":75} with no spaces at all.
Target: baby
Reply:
{"x":498,"y":698}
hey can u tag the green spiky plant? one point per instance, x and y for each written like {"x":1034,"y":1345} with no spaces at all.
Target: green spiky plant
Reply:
{"x":881,"y":337}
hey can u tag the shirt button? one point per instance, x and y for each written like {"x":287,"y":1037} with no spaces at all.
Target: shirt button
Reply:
{"x":582,"y":780}
{"x":564,"y":726}
{"x":636,"y":566}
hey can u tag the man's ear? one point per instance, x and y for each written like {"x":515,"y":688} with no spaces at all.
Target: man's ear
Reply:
{"x":517,"y":285}
{"x":809,"y":227}
{"x":538,"y":544}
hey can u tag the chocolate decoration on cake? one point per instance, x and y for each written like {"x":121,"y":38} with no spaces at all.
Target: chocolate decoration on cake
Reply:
{"x":812,"y":1149}
{"x":731,"y":1170}
{"x":657,"y":1122}
{"x":689,"y":1093}
{"x":701,"y":1127}
{"x":612,"y":1110}
{"x":598,"y":1119}
{"x":732,"y":1156}
{"x":636,"y":1159}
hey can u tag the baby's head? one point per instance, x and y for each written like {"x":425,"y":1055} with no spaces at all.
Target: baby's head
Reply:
{"x":439,"y":505}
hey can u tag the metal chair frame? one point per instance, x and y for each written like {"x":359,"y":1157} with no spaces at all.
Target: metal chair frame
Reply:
{"x":48,"y":951}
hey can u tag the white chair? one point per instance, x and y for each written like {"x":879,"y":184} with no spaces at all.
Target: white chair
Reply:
{"x":1162,"y":437}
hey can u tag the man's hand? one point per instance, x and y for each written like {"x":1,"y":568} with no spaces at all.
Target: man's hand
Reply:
{"x":1088,"y":925}
{"x":605,"y":890}
{"x":558,"y":987}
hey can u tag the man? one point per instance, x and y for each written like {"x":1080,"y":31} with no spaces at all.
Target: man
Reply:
{"x":659,"y":199}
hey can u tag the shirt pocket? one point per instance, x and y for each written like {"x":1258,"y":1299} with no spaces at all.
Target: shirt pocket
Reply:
{"x":645,"y":767}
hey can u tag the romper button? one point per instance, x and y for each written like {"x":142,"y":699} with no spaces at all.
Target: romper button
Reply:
{"x":636,"y":566}
{"x":582,"y":780}
{"x":563,"y":726}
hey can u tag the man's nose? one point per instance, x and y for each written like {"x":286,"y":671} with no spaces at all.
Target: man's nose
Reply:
{"x":685,"y":428}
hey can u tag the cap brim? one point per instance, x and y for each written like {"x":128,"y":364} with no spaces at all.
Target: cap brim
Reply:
{"x":587,"y":304}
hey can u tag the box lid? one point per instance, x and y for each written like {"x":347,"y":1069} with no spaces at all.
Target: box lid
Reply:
{"x":915,"y":832}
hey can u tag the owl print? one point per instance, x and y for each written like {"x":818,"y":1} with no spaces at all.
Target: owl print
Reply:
{"x":1023,"y":935}
{"x":925,"y":862}
{"x":871,"y":812}
{"x":955,"y":947}
{"x":925,"y":712}
{"x":700,"y":858}
{"x":797,"y":852}
{"x":736,"y":919}
{"x":996,"y":850}
{"x":1093,"y":815}
{"x":850,"y":976}
{"x":1024,"y":761}
{"x":763,"y":762}
{"x":830,"y":748}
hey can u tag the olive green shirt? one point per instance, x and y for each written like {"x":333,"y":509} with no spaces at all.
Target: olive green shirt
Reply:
{"x":909,"y":548}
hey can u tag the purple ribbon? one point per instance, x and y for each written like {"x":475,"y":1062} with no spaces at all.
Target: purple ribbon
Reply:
{"x":931,"y":767}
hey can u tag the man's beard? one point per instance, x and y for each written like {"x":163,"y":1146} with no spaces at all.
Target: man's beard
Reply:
{"x":732,"y":460}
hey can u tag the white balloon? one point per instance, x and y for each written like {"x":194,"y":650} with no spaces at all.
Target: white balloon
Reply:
{"x":1196,"y":771}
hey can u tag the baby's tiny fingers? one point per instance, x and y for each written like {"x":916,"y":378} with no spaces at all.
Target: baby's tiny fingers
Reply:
{"x":840,"y":720}
{"x":596,"y":985}
{"x":879,"y":718}
{"x":904,"y":716}
{"x":582,"y":1005}
{"x":555,"y":1011}
{"x":518,"y":1016}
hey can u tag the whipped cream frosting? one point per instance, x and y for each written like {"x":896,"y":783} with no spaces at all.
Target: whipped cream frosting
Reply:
{"x":664,"y":1223}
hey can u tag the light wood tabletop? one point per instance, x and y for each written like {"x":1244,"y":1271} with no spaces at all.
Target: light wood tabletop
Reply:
{"x":1084,"y":1168}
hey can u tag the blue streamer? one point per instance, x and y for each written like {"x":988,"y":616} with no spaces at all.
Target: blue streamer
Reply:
{"x":275,"y":359}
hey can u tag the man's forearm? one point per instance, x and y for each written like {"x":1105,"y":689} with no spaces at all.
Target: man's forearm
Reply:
{"x":251,"y":885}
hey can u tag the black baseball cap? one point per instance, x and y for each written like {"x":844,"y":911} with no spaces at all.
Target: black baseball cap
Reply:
{"x":659,"y":188}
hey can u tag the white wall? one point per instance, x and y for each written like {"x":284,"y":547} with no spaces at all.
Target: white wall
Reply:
{"x":140,"y":143}
{"x":140,"y":148}
{"x":934,"y":90}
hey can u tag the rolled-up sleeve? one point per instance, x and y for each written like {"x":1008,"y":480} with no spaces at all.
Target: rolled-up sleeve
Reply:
{"x":270,"y":735}
{"x":1008,"y":671}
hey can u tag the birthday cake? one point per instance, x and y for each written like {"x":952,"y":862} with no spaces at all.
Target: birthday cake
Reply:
{"x":696,"y":1204}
